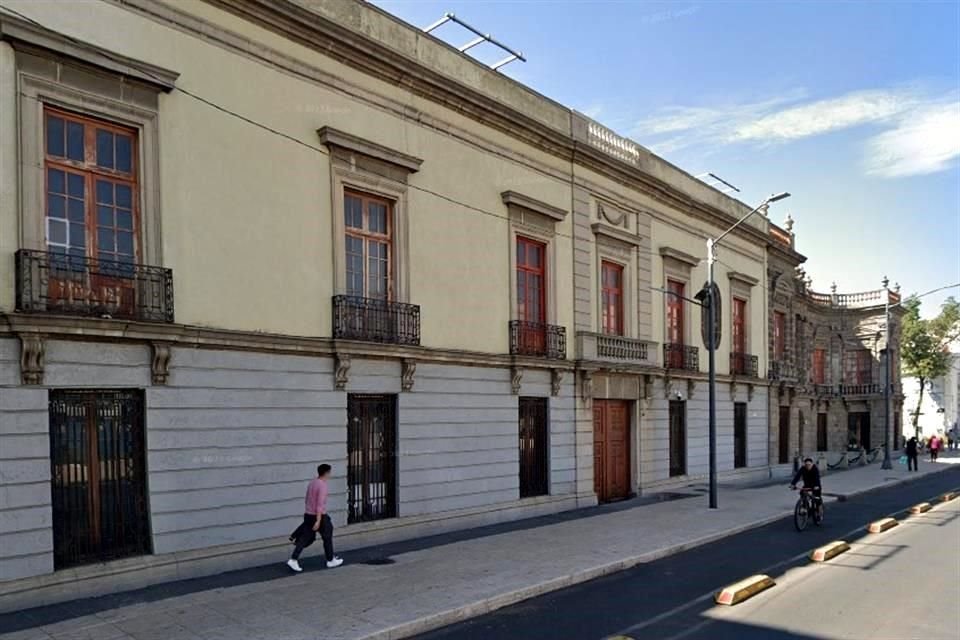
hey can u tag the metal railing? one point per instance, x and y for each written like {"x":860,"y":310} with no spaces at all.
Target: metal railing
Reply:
{"x":824,"y":390}
{"x":780,"y":370}
{"x":374,"y":320}
{"x":538,"y":339}
{"x":681,"y":356}
{"x":860,"y":389}
{"x":744,"y":364}
{"x":61,"y":284}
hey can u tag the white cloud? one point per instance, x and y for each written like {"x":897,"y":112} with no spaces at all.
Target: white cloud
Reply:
{"x":925,"y":141}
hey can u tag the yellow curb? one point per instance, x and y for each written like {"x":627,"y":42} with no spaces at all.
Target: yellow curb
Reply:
{"x":740,"y":591}
{"x":923,"y":507}
{"x":882,"y":525}
{"x":947,"y":497}
{"x":828,"y":551}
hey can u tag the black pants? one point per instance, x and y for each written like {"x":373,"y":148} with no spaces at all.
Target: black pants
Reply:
{"x":304,"y":536}
{"x":912,"y":464}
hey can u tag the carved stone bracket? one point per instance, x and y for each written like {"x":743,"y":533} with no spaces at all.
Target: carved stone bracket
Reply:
{"x":160,"y":362}
{"x":586,"y":380}
{"x":750,"y":389}
{"x":733,"y":391}
{"x":691,"y":389}
{"x":406,"y":375}
{"x":556,"y":379}
{"x":341,"y":372}
{"x":647,"y":391}
{"x":31,"y":358}
{"x":666,"y":385}
{"x":516,"y":378}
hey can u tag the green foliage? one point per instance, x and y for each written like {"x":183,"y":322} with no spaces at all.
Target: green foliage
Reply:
{"x":925,"y":343}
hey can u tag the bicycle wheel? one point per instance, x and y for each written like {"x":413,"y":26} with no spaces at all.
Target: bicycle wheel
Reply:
{"x":800,"y":515}
{"x":818,"y":513}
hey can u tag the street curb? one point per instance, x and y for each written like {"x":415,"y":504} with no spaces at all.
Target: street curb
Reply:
{"x":950,"y":495}
{"x":743,"y":590}
{"x":884,"y":524}
{"x":493,"y":603}
{"x":829,"y":551}
{"x":923,"y":507}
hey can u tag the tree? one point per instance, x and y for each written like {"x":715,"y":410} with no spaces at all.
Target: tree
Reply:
{"x":925,"y":345}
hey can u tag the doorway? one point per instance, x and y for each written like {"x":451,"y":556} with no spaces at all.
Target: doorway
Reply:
{"x":784,"y":440}
{"x":611,"y":449}
{"x":739,"y":435}
{"x":858,"y":429}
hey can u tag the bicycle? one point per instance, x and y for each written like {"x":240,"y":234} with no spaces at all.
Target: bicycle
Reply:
{"x":807,"y":505}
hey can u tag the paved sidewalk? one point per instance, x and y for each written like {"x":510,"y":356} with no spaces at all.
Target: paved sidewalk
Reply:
{"x":429,"y":586}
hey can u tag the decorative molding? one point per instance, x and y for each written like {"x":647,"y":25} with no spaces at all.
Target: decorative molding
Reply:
{"x":556,"y":379}
{"x":341,"y":139}
{"x":600,"y":229}
{"x":409,"y":369}
{"x":647,"y":392}
{"x":743,"y":278}
{"x":516,"y":379}
{"x":160,"y":362}
{"x":733,"y":391}
{"x":679,"y":256}
{"x":691,"y":388}
{"x":586,"y":385}
{"x":341,"y":372}
{"x":514,"y":199}
{"x":19,"y":31}
{"x":619,"y":219}
{"x":31,"y":358}
{"x":750,"y":391}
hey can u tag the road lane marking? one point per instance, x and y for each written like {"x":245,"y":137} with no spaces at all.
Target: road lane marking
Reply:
{"x":829,"y":551}
{"x":885,"y":524}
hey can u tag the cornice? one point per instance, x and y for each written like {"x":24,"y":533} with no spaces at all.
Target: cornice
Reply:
{"x":679,"y":256}
{"x":514,"y":199}
{"x":744,"y":278}
{"x":601,"y":229}
{"x":335,"y":138}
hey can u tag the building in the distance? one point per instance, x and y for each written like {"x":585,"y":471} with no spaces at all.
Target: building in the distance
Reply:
{"x":828,"y":358}
{"x":939,"y":409}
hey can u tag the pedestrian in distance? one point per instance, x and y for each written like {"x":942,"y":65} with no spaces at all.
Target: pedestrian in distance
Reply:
{"x":934,"y":447}
{"x":913,"y":452}
{"x":315,"y":519}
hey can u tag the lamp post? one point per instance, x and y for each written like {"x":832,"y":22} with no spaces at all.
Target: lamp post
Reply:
{"x":708,"y":301}
{"x":887,"y":464}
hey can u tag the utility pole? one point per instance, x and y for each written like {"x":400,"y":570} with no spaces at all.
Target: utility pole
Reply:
{"x":887,"y":464}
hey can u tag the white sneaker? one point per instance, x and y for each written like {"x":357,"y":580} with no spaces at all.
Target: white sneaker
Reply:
{"x":293,"y":564}
{"x":336,"y":562}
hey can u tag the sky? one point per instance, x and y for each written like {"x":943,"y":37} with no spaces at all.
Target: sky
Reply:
{"x":852,"y":107}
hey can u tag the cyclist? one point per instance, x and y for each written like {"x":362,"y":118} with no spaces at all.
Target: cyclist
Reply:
{"x":811,"y":478}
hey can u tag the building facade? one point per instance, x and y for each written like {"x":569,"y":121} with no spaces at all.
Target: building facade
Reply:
{"x":939,"y":409}
{"x":828,"y":363}
{"x":245,"y":237}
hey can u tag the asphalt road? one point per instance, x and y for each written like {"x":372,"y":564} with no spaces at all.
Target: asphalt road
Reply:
{"x":886,"y":592}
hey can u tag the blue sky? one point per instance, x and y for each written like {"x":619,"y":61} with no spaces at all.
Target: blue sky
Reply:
{"x":853,"y":107}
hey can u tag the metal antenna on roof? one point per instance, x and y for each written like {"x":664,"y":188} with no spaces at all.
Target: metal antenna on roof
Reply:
{"x":716,"y":181}
{"x":481,"y":37}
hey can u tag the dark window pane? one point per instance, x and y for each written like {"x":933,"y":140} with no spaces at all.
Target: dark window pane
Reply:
{"x":124,"y":219}
{"x":57,"y":231}
{"x":75,"y":209}
{"x":124,"y":196}
{"x":353,"y":212}
{"x":56,"y":206}
{"x":125,"y":243}
{"x":124,"y":154}
{"x":105,"y":216}
{"x":56,"y":181}
{"x":75,"y":186}
{"x":521,"y":252}
{"x":55,"y":136}
{"x":378,"y":217}
{"x":78,"y":237}
{"x":75,"y":141}
{"x":104,"y":192}
{"x":105,"y":240}
{"x":105,"y":149}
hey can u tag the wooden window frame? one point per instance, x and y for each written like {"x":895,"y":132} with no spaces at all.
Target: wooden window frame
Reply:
{"x":858,"y":365}
{"x":779,"y":335}
{"x":819,"y":366}
{"x":365,"y":235}
{"x":542,"y":272}
{"x":678,"y":304}
{"x":616,"y":327}
{"x":738,"y":324}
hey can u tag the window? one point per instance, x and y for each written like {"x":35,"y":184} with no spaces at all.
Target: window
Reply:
{"x":533,"y":447}
{"x":531,"y":280}
{"x":821,"y":432}
{"x":611,"y":284}
{"x":369,"y":231}
{"x":90,"y":193}
{"x":857,"y":366}
{"x":678,"y":438}
{"x":371,"y":457}
{"x":779,"y":334}
{"x":739,"y":435}
{"x":739,"y":325}
{"x":819,"y":366}
{"x":675,"y":328}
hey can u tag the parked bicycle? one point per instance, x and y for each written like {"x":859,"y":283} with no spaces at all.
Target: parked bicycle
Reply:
{"x":809,"y":507}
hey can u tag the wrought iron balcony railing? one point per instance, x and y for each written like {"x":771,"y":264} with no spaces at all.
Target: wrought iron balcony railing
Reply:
{"x":57,"y":283}
{"x":375,"y":320}
{"x":860,"y":389}
{"x":744,"y":364}
{"x":681,"y":356}
{"x":781,"y":370}
{"x":538,"y":340}
{"x":825,"y":390}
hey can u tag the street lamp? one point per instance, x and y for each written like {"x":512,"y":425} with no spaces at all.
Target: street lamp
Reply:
{"x":707,"y":300}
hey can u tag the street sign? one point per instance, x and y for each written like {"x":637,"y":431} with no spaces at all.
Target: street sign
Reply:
{"x":716,"y":311}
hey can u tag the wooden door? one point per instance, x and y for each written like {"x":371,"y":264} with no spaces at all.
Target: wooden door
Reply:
{"x":611,"y":449}
{"x":784,"y":435}
{"x":678,"y":438}
{"x":739,"y":435}
{"x":858,"y":428}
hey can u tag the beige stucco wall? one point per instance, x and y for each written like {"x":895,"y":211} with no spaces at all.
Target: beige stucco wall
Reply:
{"x":246,"y":214}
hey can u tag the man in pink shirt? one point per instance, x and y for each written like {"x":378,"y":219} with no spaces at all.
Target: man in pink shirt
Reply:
{"x":315,"y":519}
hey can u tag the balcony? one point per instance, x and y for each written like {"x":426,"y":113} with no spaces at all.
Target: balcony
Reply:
{"x":55,"y":283}
{"x":824,"y":390}
{"x":610,"y":348}
{"x":538,"y":340}
{"x":375,"y":320}
{"x":867,"y":389}
{"x":781,"y":370}
{"x":681,"y":357}
{"x":744,"y":364}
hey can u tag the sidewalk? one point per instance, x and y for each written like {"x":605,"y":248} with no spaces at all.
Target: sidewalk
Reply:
{"x":421,"y":588}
